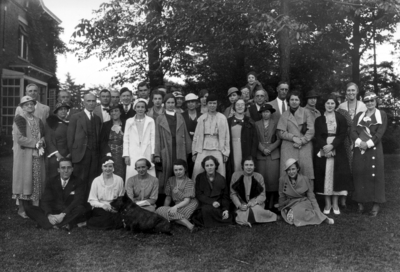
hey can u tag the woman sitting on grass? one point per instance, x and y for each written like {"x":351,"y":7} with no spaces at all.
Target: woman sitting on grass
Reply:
{"x":105,"y":188}
{"x":297,"y":201}
{"x":180,"y":189}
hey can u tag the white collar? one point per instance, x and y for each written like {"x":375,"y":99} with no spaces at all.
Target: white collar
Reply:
{"x":170,"y":112}
{"x":377,"y":114}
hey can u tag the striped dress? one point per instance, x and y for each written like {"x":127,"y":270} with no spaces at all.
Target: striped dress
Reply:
{"x":178,"y":194}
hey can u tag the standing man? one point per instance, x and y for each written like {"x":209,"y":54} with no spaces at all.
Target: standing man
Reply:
{"x":126,"y":107}
{"x":144,"y":92}
{"x":260,"y":97}
{"x":41,"y":111}
{"x":83,"y":141}
{"x":114,"y":98}
{"x":65,"y":97}
{"x":102,"y":110}
{"x":311,"y":98}
{"x":62,"y":204}
{"x":280,"y":104}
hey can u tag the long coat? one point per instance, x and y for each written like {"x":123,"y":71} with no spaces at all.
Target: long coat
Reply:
{"x":248,"y":140}
{"x":41,"y":111}
{"x":134,"y":149}
{"x":163,"y":145}
{"x":23,"y":148}
{"x":268,"y":166}
{"x":56,"y":141}
{"x":342,"y":179}
{"x":368,"y":168}
{"x":291,"y":125}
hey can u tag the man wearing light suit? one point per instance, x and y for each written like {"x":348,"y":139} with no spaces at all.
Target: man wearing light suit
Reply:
{"x":102,"y":110}
{"x":41,"y":111}
{"x":83,"y":141}
{"x":279,"y":104}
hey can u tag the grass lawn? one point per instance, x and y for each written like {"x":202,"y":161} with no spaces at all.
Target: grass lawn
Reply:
{"x":354,"y":243}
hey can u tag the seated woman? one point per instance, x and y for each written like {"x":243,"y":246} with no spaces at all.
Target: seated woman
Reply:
{"x":180,"y":189}
{"x":143,"y":187}
{"x":105,"y":188}
{"x":248,"y":195}
{"x":297,"y":201}
{"x":213,"y":194}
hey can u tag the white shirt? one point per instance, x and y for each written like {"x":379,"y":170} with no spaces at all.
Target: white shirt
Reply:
{"x":88,"y":113}
{"x":280,"y":104}
{"x":106,"y":115}
{"x":101,"y":194}
{"x":66,"y":182}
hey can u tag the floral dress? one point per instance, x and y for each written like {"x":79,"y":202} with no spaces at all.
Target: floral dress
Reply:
{"x":115,"y":143}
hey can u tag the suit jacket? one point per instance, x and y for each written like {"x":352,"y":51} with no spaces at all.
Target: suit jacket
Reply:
{"x":99,"y":112}
{"x":125,"y":116}
{"x":254,"y":114}
{"x":277,"y":114}
{"x":56,"y":199}
{"x":41,"y":112}
{"x":77,"y":136}
{"x":272,"y":141}
{"x":191,"y":124}
{"x":72,"y":112}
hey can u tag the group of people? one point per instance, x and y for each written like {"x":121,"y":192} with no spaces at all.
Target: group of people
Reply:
{"x":185,"y":158}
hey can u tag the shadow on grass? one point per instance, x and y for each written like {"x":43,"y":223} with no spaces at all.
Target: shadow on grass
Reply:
{"x":354,"y":243}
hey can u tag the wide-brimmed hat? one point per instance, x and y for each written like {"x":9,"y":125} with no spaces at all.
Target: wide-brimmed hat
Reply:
{"x":369,"y":96}
{"x":267,"y":107}
{"x":60,"y":105}
{"x":289,"y":163}
{"x":25,"y":99}
{"x":191,"y":97}
{"x":233,"y":90}
{"x":113,"y":106}
{"x":178,"y":94}
{"x":312,"y":94}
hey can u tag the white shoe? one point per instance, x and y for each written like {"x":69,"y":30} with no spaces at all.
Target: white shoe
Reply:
{"x":330,"y":221}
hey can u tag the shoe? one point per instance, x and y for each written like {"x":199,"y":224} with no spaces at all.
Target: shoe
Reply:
{"x":337,"y":212}
{"x":23,"y":215}
{"x":330,"y":221}
{"x":83,"y":224}
{"x":327,"y":211}
{"x":374,"y":211}
{"x":343,"y":206}
{"x":67,"y":227}
{"x":194,"y":229}
{"x":360,"y":208}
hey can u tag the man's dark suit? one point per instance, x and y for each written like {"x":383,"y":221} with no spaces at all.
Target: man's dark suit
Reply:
{"x":254,"y":114}
{"x":56,"y":200}
{"x":126,"y":115}
{"x":84,"y":149}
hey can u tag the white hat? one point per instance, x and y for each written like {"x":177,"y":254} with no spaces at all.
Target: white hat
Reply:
{"x":289,"y":163}
{"x":191,"y":97}
{"x":25,"y":99}
{"x":139,"y":100}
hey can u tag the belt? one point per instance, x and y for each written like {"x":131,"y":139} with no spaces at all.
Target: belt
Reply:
{"x":331,"y":134}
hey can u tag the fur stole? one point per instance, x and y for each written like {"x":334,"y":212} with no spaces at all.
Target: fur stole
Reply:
{"x":255,"y":190}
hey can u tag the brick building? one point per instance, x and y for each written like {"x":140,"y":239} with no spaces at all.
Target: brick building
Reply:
{"x":21,"y":63}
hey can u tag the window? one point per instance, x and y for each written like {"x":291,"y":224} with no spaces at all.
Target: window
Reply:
{"x":10,"y":99}
{"x":23,"y":46}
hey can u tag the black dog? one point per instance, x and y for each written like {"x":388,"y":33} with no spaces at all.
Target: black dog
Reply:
{"x":138,"y":219}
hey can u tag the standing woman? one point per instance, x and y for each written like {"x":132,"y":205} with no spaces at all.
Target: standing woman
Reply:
{"x":243,"y":138}
{"x":139,"y":139}
{"x":352,"y":105}
{"x":203,"y":94}
{"x":296,"y":129}
{"x":112,"y":139}
{"x":268,"y":154}
{"x":233,"y":96}
{"x":211,"y":138}
{"x":368,"y":166}
{"x":172,"y":140}
{"x":29,"y":169}
{"x":56,"y":137}
{"x":332,"y":170}
{"x":180,"y":189}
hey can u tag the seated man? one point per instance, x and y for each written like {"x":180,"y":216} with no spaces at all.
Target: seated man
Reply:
{"x":63,"y":201}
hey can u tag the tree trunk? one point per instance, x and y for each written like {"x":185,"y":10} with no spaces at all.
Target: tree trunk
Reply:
{"x":355,"y":53}
{"x":240,"y":66}
{"x":155,"y":73}
{"x":284,"y":45}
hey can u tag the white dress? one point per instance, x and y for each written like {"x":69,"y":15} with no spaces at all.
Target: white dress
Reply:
{"x":139,"y":142}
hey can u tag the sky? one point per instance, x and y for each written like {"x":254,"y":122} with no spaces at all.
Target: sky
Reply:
{"x":89,"y":71}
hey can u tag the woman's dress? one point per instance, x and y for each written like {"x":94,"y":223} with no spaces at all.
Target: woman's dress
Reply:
{"x":368,"y":166}
{"x":332,"y":175}
{"x":245,"y":188}
{"x":208,"y":192}
{"x":211,"y":138}
{"x":139,"y":142}
{"x":301,"y":125}
{"x":29,"y":168}
{"x":178,"y":194}
{"x":297,"y":202}
{"x":268,"y":165}
{"x":140,"y":190}
{"x":100,"y":195}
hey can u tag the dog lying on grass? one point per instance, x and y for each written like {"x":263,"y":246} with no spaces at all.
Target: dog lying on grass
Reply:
{"x":137,"y":219}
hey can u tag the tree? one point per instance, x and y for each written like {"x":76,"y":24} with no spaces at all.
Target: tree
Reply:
{"x":76,"y":91}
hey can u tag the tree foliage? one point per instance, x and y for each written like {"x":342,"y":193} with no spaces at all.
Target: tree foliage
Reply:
{"x":76,"y":91}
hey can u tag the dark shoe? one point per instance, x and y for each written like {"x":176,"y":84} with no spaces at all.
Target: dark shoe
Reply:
{"x":343,"y":206}
{"x":67,"y":227}
{"x":360,"y":208}
{"x":194,"y":229}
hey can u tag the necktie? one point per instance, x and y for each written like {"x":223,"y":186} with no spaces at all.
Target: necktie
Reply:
{"x":64,"y":183}
{"x":126,"y":108}
{"x":283,"y":106}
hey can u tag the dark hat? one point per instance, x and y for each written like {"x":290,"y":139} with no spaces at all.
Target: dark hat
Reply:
{"x":113,"y":106}
{"x":212,"y":97}
{"x":60,"y":105}
{"x":233,"y":90}
{"x":312,"y":94}
{"x":266,"y":107}
{"x":252,"y":73}
{"x":168,"y":96}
